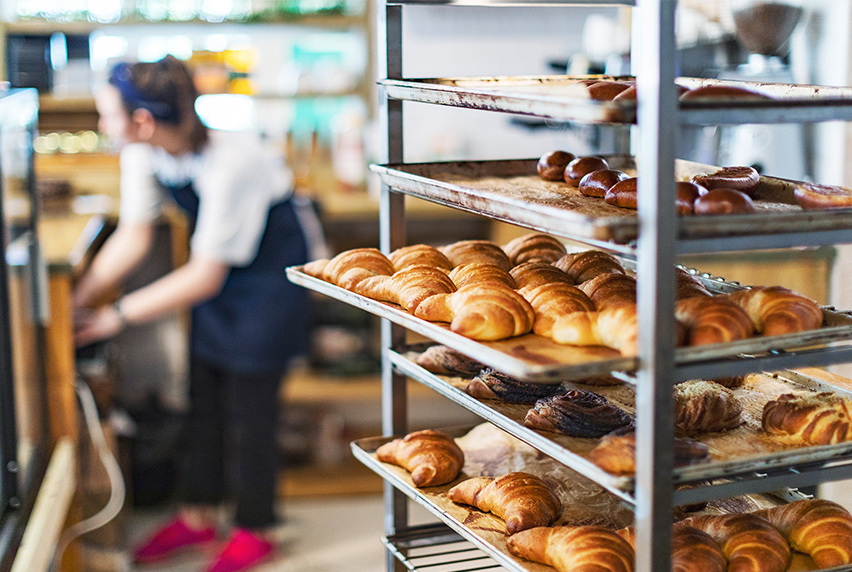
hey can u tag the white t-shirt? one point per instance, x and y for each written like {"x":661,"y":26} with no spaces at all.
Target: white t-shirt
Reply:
{"x":236,"y":177}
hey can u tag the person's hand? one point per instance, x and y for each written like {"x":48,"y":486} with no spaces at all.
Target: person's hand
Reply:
{"x":94,"y":325}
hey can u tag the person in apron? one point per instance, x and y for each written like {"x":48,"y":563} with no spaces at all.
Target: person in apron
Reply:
{"x":248,"y":320}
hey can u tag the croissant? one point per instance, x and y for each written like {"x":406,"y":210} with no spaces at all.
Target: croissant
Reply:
{"x":447,"y":361}
{"x":534,"y":247}
{"x":350,"y":267}
{"x":522,"y":500}
{"x":419,"y":254}
{"x":553,"y":300}
{"x":492,"y":384}
{"x":432,"y":457}
{"x":481,"y":273}
{"x":610,"y":290}
{"x":713,"y":320}
{"x":582,"y":266}
{"x":467,"y":251}
{"x":480,"y":312}
{"x":578,"y":413}
{"x":817,"y":419}
{"x":776,"y":310}
{"x":407,"y":287}
{"x":616,"y":452}
{"x":750,"y":543}
{"x":693,"y":550}
{"x":532,"y":274}
{"x":705,"y":406}
{"x":687,"y":285}
{"x":574,"y":548}
{"x":818,"y":527}
{"x":616,"y":328}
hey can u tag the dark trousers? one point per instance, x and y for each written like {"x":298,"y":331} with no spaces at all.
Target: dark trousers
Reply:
{"x":231,"y":433}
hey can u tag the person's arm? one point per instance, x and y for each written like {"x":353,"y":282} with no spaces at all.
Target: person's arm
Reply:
{"x":198,"y":280}
{"x":122,"y":253}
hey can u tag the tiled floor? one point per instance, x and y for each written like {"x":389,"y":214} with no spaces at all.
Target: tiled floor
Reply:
{"x":320,"y":535}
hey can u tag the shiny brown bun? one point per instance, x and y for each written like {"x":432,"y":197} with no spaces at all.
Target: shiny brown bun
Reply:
{"x":582,"y":166}
{"x":685,"y":195}
{"x":721,"y":92}
{"x":629,"y":94}
{"x":552,"y":165}
{"x":607,"y":90}
{"x":723,"y":201}
{"x":623,"y":194}
{"x":597,"y":183}
{"x":742,"y":178}
{"x":815,"y":196}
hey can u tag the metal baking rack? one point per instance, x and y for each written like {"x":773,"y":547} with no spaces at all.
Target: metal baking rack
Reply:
{"x":511,"y":191}
{"x":656,"y":248}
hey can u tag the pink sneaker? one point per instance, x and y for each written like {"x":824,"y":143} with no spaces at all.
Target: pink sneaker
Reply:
{"x":171,"y":539}
{"x":243,"y":551}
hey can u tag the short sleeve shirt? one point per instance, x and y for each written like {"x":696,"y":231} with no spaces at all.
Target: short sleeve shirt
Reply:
{"x":237,"y":179}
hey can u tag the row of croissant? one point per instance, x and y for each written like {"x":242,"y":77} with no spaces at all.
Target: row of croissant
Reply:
{"x":759,"y":541}
{"x":531,"y":284}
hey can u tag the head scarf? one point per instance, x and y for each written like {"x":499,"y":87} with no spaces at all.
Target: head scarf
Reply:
{"x":122,"y":78}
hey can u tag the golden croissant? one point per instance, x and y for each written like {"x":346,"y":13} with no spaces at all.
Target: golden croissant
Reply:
{"x":407,"y":287}
{"x":616,"y":328}
{"x":532,"y":274}
{"x":750,"y":543}
{"x":574,"y":548}
{"x":432,"y":457}
{"x":522,"y":500}
{"x":818,"y":419}
{"x":776,"y":310}
{"x":419,"y":254}
{"x":552,"y":301}
{"x":467,"y":251}
{"x":481,"y":273}
{"x":713,"y":320}
{"x":480,"y":312}
{"x":818,"y":527}
{"x":582,"y":266}
{"x":534,"y":247}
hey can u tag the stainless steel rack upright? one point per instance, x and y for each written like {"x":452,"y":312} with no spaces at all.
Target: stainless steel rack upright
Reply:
{"x":659,"y":120}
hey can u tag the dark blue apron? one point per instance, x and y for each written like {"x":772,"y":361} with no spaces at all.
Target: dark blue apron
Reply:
{"x":259,"y":320}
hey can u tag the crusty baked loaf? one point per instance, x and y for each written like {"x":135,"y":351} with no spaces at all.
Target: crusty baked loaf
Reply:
{"x":574,"y":548}
{"x":432,"y":457}
{"x":534,"y":247}
{"x":521,"y":499}
{"x":814,"y":418}
{"x":705,"y":406}
{"x":818,"y":527}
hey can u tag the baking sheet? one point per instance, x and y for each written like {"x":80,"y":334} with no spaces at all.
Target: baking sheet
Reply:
{"x":739,"y":452}
{"x":536,"y":358}
{"x":491,"y":452}
{"x":512,"y":191}
{"x":564,"y":98}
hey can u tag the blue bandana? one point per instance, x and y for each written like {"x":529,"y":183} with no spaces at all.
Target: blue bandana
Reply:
{"x":120,"y":77}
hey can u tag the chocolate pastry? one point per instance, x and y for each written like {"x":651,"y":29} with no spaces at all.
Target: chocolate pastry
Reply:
{"x":578,"y":413}
{"x":447,"y":361}
{"x":492,"y":384}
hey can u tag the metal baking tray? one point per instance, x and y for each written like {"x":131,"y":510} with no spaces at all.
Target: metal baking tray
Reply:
{"x":486,"y":531}
{"x":562,"y":97}
{"x":742,"y":472}
{"x":536,"y":358}
{"x":512,"y":191}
